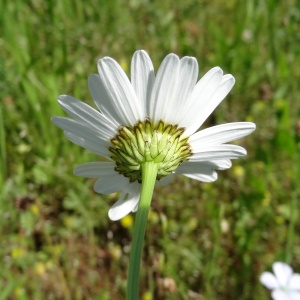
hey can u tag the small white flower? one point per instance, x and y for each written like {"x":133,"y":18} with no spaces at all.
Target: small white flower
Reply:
{"x":285,"y":284}
{"x":151,"y":118}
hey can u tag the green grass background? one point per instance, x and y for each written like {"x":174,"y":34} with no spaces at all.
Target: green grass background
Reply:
{"x":203,"y":241}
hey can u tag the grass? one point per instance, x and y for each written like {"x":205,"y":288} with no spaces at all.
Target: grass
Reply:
{"x":203,"y":241}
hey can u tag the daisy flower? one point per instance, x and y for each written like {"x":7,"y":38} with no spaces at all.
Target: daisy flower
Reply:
{"x":285,"y":284}
{"x":151,"y":118}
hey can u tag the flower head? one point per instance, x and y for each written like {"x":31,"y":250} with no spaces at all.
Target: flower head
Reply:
{"x":285,"y":284}
{"x":151,"y":118}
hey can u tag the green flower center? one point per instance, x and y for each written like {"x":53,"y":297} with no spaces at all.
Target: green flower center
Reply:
{"x":162,"y":143}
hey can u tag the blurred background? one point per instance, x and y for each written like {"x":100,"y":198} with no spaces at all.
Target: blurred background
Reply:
{"x":203,"y":241}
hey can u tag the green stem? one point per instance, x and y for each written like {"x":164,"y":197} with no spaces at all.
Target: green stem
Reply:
{"x":149,"y":173}
{"x":293,"y":209}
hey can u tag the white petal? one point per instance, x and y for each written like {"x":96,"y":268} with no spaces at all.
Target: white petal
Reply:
{"x":210,"y":177}
{"x":210,"y":164}
{"x":280,"y":295}
{"x":135,"y":208}
{"x":123,"y":100}
{"x":283,"y":272}
{"x":94,"y":147}
{"x":187,"y":78}
{"x":128,"y":202}
{"x":79,"y":129}
{"x":222,"y":164}
{"x":85,"y":136}
{"x":218,"y":152}
{"x":142,"y":77}
{"x":294,"y":295}
{"x":199,"y":99}
{"x":162,"y":96}
{"x":219,"y":164}
{"x":294,"y":282}
{"x":220,"y":134}
{"x":269,"y":280}
{"x":199,"y":171}
{"x":110,"y":184}
{"x":165,"y":180}
{"x":223,"y":89}
{"x":95,"y":169}
{"x":102,"y":99}
{"x":88,"y":116}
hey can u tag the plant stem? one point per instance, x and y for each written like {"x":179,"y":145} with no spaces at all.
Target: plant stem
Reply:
{"x":149,"y":172}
